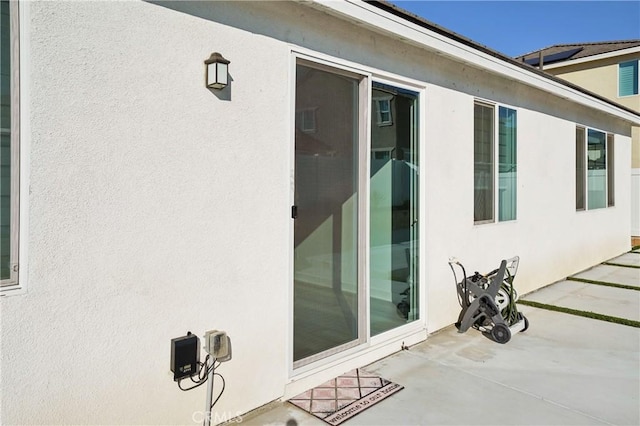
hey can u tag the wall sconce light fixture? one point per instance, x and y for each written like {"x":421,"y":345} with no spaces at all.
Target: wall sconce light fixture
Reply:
{"x":217,"y":71}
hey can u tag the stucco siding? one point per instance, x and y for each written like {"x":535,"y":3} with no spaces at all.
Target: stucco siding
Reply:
{"x":158,"y":207}
{"x":147,"y":216}
{"x":546,"y":205}
{"x":601,"y":77}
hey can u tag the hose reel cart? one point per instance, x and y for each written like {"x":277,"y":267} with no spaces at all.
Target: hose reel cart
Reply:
{"x":488,"y":301}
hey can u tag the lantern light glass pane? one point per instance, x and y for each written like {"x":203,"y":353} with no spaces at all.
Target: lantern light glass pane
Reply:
{"x":211,"y":74}
{"x":222,"y":73}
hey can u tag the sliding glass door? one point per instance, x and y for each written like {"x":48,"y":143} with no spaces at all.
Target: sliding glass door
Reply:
{"x":393,"y":235}
{"x":351,"y":281}
{"x":326,"y":279}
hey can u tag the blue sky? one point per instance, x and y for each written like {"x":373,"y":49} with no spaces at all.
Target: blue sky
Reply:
{"x":518,"y":27}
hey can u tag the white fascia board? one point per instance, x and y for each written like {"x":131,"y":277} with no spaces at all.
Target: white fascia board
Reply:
{"x":380,"y":21}
{"x":593,"y":58}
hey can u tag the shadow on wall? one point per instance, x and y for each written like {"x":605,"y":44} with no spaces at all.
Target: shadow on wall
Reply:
{"x":274,"y":20}
{"x":242,"y":15}
{"x":224,"y":94}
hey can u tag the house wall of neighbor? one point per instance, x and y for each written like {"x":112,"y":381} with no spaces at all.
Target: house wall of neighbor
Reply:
{"x":158,"y":207}
{"x":600,"y":77}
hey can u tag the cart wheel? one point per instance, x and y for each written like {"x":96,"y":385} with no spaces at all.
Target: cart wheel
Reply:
{"x":501,"y":333}
{"x":526,"y":324}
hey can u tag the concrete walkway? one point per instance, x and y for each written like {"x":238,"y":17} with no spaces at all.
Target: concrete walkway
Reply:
{"x":564,"y":370}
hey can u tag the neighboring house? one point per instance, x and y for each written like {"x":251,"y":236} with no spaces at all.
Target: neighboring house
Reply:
{"x":609,"y":69}
{"x":139,"y":205}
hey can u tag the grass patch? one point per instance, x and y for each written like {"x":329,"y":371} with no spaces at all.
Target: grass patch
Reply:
{"x":586,"y":314}
{"x":621,"y":264}
{"x":604,"y":283}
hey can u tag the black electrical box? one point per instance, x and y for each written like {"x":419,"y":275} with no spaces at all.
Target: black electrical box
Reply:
{"x":185,"y":356}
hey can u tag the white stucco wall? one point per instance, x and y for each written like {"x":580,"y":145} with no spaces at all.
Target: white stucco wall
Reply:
{"x":158,"y":207}
{"x":147,"y":216}
{"x":551,"y":238}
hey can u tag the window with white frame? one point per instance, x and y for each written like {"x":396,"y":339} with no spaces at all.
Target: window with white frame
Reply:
{"x":487,"y":159}
{"x":594,"y":169}
{"x":610,"y":171}
{"x":628,"y":78}
{"x":9,"y":150}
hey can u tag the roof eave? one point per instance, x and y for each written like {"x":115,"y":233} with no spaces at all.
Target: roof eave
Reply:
{"x":382,"y":16}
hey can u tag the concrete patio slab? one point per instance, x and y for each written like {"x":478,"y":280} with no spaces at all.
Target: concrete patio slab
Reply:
{"x":564,"y":370}
{"x":631,"y":259}
{"x":616,"y":302}
{"x":612,"y":274}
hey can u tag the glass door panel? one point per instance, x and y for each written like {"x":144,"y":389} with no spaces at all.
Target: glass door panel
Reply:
{"x":326,"y":213}
{"x":393,"y":208}
{"x":596,"y":169}
{"x":507,"y":164}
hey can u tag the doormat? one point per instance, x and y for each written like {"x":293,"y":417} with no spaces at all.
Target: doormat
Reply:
{"x":345,"y":396}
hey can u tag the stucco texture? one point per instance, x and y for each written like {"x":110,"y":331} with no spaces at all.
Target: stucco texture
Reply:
{"x":146,"y":218}
{"x":158,"y":207}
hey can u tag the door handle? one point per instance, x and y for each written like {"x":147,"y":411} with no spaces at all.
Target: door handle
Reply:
{"x":294,"y":212}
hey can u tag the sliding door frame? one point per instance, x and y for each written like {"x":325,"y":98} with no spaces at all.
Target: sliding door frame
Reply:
{"x":364,"y":342}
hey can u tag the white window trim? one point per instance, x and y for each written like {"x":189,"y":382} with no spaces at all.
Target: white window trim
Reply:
{"x":492,"y":105}
{"x":20,"y":135}
{"x":611,"y":160}
{"x":14,"y":130}
{"x":586,"y":168}
{"x":496,"y":161}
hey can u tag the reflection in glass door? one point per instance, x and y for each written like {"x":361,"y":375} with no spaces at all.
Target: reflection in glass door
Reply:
{"x":393,"y":208}
{"x":326,"y":304}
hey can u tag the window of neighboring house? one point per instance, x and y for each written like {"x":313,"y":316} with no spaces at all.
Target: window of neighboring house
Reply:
{"x":306,"y":120}
{"x":9,"y":154}
{"x":485,"y":183}
{"x":594,"y":169}
{"x":628,"y":78}
{"x":383,"y":109}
